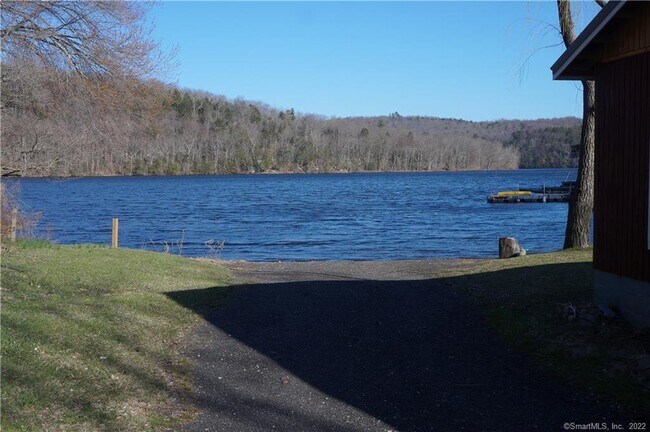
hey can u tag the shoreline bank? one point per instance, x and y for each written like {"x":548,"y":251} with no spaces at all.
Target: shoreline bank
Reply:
{"x":274,"y":173}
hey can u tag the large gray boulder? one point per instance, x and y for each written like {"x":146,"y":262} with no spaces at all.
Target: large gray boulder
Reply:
{"x":509,"y":247}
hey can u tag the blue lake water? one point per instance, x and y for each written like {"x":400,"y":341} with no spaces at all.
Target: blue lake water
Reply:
{"x":374,"y":216}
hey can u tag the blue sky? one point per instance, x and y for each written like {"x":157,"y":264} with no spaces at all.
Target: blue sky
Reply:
{"x":444,"y":59}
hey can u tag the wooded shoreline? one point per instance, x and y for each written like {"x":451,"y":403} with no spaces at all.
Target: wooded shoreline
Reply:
{"x":69,"y":128}
{"x":269,"y":173}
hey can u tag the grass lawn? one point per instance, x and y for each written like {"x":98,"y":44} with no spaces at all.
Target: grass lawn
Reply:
{"x":542,"y":304}
{"x":90,"y":340}
{"x":90,"y":335}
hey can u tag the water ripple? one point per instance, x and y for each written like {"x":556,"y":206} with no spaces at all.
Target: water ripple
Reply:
{"x":303,"y":217}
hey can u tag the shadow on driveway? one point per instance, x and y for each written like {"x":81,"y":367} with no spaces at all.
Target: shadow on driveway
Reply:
{"x":357,"y":355}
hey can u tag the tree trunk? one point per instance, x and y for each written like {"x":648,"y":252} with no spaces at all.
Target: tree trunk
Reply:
{"x":581,"y":204}
{"x":578,"y":227}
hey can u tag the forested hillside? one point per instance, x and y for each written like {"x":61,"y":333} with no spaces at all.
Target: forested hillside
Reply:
{"x":56,"y":124}
{"x":545,"y":147}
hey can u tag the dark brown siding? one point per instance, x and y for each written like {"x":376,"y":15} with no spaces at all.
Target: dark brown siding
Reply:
{"x":631,"y":36}
{"x":622,"y":162}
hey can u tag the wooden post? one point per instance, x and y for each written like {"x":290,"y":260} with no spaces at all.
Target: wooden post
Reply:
{"x":115,"y":230}
{"x":14,"y":224}
{"x":2,"y":207}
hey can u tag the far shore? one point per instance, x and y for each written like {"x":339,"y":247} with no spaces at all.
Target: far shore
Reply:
{"x":273,"y":172}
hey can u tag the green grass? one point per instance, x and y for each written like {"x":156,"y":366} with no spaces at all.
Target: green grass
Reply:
{"x":523,"y":298}
{"x":90,"y":335}
{"x":90,"y":341}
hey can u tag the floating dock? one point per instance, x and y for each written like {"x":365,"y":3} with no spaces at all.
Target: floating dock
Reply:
{"x":544,"y":194}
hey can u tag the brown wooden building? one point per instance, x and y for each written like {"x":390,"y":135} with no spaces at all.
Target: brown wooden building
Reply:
{"x":614,"y":51}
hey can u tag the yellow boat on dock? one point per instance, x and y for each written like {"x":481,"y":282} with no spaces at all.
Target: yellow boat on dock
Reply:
{"x":513,"y":193}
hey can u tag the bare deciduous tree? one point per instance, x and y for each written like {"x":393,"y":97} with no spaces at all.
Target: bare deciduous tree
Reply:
{"x":89,"y":37}
{"x":76,"y":101}
{"x":578,"y":227}
{"x":97,"y":54}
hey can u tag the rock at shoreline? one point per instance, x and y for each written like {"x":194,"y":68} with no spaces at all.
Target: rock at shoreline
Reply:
{"x":508,"y":247}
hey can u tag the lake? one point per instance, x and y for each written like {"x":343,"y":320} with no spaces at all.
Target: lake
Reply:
{"x":368,"y":216}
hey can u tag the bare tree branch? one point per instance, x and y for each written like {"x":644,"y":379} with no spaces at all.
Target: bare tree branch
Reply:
{"x":88,"y":37}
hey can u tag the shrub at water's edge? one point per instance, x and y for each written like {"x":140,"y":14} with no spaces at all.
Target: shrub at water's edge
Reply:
{"x":91,"y":341}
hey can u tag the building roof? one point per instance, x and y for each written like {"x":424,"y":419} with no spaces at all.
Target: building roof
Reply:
{"x":577,"y":62}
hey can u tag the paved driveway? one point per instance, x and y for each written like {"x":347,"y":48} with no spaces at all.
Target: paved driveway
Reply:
{"x":366,"y":347}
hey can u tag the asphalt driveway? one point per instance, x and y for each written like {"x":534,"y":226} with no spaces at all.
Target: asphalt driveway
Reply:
{"x":366,"y":347}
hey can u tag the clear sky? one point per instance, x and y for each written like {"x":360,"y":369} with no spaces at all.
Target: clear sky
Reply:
{"x":444,"y":59}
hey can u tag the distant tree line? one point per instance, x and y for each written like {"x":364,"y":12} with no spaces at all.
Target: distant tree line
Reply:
{"x":61,"y":124}
{"x":545,"y":147}
{"x":81,"y":95}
